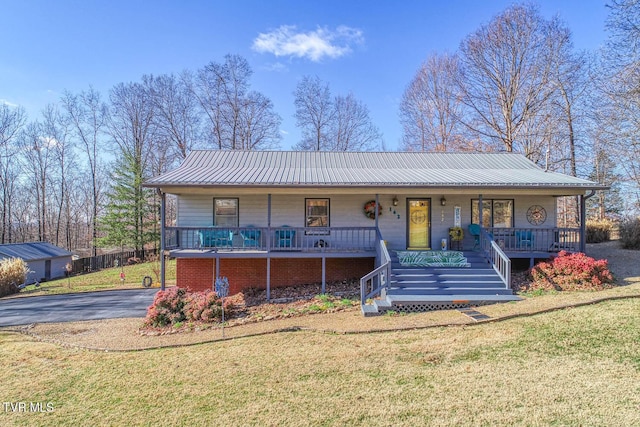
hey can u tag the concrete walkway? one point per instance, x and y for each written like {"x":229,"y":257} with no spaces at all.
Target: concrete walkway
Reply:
{"x":74,"y":307}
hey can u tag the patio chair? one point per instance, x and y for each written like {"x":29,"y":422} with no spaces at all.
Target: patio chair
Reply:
{"x":250,"y":237}
{"x":215,"y":238}
{"x":524,"y":239}
{"x":284,"y":237}
{"x":474,"y":230}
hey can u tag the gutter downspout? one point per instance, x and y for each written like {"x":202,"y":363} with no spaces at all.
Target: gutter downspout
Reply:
{"x":583,"y":219}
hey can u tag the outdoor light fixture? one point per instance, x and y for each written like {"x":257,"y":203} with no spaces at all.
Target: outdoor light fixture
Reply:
{"x":443,"y":201}
{"x":395,"y":201}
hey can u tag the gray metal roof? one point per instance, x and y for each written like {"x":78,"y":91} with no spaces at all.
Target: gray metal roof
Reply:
{"x":212,"y":168}
{"x":32,"y":251}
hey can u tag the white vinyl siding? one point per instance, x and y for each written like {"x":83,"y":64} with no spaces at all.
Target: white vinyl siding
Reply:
{"x":347,"y":211}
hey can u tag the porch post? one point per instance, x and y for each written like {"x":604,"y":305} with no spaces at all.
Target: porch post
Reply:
{"x":377,"y":208}
{"x":269,"y":247}
{"x":480,"y":213}
{"x":163,"y":202}
{"x":583,"y":223}
{"x":324,"y":274}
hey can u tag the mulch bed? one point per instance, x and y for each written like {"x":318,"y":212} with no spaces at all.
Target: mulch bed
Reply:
{"x":252,"y":306}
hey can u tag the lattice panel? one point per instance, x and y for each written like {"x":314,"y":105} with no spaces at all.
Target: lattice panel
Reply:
{"x":420,"y":307}
{"x":426,"y":306}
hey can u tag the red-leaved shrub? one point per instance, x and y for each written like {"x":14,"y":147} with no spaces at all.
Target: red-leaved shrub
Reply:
{"x":571,"y":272}
{"x":178,"y":304}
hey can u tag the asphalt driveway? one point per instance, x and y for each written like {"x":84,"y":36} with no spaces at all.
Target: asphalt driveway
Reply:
{"x":73,"y":307}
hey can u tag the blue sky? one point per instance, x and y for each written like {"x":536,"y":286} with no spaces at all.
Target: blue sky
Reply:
{"x":370,"y":48}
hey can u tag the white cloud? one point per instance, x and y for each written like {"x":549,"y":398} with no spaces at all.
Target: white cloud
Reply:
{"x":313,"y":45}
{"x":8,"y":103}
{"x":276,"y":66}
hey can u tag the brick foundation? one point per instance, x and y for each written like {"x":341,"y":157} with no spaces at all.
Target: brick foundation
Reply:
{"x":198,"y":273}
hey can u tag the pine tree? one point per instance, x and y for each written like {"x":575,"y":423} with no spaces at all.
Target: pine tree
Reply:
{"x":130,"y":219}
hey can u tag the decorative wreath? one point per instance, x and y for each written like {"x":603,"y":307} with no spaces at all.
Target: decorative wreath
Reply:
{"x":370,"y":209}
{"x":456,"y":233}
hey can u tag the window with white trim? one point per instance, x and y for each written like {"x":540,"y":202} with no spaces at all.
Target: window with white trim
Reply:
{"x":225,"y":212}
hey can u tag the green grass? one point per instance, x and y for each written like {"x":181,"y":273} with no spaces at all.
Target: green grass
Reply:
{"x":104,"y":279}
{"x":577,"y":366}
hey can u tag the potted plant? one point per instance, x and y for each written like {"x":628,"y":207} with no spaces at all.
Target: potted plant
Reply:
{"x":456,"y":234}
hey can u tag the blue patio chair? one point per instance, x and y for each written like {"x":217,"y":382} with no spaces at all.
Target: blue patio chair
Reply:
{"x":215,"y":238}
{"x":250,"y":237}
{"x":474,"y":230}
{"x":284,"y":237}
{"x":524,"y":239}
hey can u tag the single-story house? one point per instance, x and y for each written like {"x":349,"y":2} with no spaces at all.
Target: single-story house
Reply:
{"x":46,"y":261}
{"x":281,"y":218}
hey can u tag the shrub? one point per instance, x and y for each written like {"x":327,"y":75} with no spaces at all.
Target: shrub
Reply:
{"x":13,"y":271}
{"x":630,"y":234}
{"x":570,"y":272}
{"x":178,"y":304}
{"x":599,"y":231}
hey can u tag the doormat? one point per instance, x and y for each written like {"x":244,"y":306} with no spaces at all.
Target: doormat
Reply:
{"x":432,"y":259}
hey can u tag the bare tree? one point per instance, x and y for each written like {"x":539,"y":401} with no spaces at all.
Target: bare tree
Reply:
{"x":430,"y":109}
{"x":12,"y":121}
{"x":38,"y":154}
{"x":622,"y":56}
{"x":260,"y":125}
{"x":505,"y":78}
{"x":314,"y":113}
{"x":237,"y":118}
{"x":56,"y":128}
{"x":339,"y":123}
{"x":177,"y":116}
{"x":352,"y":128}
{"x":88,"y":114}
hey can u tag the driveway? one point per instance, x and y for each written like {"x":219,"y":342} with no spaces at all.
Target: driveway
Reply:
{"x":73,"y":307}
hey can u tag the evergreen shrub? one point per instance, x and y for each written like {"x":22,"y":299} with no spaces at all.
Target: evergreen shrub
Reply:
{"x":629,"y":232}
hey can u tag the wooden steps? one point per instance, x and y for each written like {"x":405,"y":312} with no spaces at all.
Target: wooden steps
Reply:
{"x":413,"y":289}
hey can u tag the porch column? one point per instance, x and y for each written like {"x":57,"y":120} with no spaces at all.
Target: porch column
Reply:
{"x":377,"y":209}
{"x":324,"y":274}
{"x":583,"y":221}
{"x":163,"y":202}
{"x":269,"y":247}
{"x":480,"y":213}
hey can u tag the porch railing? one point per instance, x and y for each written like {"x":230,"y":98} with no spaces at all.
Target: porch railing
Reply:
{"x":272,"y":239}
{"x":498,"y":259}
{"x":375,"y":283}
{"x":536,"y":239}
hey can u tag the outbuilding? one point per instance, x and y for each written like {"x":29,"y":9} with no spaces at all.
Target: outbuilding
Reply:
{"x":46,"y":261}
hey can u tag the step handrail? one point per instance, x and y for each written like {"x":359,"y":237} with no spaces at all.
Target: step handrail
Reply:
{"x":379,"y":277}
{"x":496,"y":256}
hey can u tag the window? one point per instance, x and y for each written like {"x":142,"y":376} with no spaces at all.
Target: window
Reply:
{"x":495,"y":213}
{"x":225,"y":212}
{"x":316,"y":212}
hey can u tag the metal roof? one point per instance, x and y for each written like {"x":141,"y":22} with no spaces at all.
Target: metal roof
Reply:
{"x":212,"y":168}
{"x":32,"y":251}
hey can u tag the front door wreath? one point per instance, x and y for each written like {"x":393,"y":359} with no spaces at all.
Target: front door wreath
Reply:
{"x":370,"y":209}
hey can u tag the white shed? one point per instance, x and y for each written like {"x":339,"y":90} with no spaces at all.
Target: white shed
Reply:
{"x":46,"y":261}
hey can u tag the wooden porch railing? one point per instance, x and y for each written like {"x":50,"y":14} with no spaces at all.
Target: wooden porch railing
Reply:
{"x":536,"y":239}
{"x":272,"y":239}
{"x":375,"y":283}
